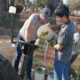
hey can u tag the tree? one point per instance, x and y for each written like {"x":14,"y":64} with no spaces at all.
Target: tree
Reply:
{"x":37,"y":4}
{"x":77,"y":6}
{"x":74,"y":4}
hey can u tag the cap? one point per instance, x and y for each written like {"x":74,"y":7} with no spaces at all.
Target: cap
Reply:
{"x":45,"y":13}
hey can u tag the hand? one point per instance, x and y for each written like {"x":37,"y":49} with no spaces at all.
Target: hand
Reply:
{"x":36,"y":47}
{"x":51,"y":26}
{"x":58,"y":47}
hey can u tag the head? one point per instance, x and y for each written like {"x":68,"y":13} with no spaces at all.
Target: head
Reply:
{"x":44,"y":14}
{"x":19,"y":8}
{"x":62,"y":14}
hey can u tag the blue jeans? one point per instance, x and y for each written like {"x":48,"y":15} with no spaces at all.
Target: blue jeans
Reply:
{"x":61,"y":70}
{"x":18,"y":53}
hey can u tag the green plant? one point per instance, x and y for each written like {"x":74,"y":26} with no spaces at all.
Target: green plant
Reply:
{"x":78,"y":78}
{"x":37,"y":62}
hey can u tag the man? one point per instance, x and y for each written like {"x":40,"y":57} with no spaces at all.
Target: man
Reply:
{"x":63,"y":47}
{"x":74,"y":50}
{"x":28,"y":33}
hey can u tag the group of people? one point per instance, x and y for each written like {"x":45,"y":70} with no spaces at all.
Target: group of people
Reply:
{"x":63,"y":47}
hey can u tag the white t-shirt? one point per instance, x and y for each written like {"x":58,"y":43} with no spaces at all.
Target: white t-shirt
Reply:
{"x":36,"y":24}
{"x":76,"y":41}
{"x":77,"y":37}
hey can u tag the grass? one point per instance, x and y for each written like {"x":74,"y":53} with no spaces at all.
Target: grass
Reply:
{"x":38,"y":62}
{"x":79,"y":52}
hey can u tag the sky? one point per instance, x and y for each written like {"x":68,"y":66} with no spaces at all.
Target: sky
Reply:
{"x":64,"y":1}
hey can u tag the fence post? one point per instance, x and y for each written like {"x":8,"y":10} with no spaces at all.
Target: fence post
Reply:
{"x":12,"y":11}
{"x":12,"y":24}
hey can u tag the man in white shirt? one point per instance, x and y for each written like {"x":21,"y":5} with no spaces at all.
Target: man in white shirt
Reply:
{"x":28,"y":33}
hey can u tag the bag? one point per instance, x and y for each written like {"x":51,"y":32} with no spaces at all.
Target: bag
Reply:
{"x":6,"y":70}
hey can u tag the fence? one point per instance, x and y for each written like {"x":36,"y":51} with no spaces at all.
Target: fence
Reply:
{"x":5,"y":24}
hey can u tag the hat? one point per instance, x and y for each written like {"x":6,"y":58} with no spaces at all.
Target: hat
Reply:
{"x":45,"y":13}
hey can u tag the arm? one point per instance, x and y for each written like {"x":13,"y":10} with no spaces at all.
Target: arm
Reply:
{"x":62,"y":40}
{"x":58,"y":47}
{"x":78,"y":28}
{"x":38,"y":40}
{"x":53,"y":27}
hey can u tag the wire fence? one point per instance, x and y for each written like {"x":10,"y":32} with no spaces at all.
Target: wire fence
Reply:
{"x":5,"y":24}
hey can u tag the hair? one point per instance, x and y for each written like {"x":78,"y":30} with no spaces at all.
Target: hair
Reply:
{"x":19,"y":8}
{"x":62,"y":10}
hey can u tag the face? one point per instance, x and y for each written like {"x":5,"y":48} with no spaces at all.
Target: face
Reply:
{"x":58,"y":20}
{"x":42,"y":20}
{"x":61,"y":20}
{"x":42,"y":17}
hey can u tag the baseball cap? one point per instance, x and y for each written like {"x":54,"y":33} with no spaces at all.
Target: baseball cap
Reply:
{"x":45,"y":13}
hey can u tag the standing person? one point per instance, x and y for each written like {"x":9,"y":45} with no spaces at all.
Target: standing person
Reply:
{"x":28,"y":33}
{"x":74,"y":51}
{"x":63,"y":47}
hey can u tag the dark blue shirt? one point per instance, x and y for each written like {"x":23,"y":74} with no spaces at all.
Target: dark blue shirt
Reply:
{"x":65,"y":38}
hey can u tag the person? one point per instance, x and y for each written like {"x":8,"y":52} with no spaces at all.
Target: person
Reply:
{"x":19,"y":8}
{"x":63,"y":46}
{"x":28,"y":33}
{"x":74,"y":51}
{"x":74,"y":47}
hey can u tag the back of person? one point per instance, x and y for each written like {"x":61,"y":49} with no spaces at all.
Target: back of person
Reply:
{"x":36,"y":24}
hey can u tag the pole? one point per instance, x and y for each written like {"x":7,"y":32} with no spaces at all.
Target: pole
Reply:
{"x":12,"y":11}
{"x":45,"y":63}
{"x":12,"y":17}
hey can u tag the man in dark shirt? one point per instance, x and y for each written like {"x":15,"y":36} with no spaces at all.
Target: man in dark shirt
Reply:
{"x":63,"y":47}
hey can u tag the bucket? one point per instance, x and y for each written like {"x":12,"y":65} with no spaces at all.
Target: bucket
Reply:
{"x":39,"y":73}
{"x":51,"y":75}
